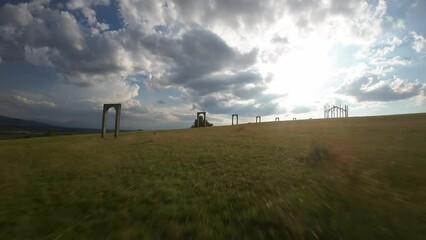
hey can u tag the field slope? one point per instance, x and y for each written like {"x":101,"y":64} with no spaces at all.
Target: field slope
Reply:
{"x":356,"y":178}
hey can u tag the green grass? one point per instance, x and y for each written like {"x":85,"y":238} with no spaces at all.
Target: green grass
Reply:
{"x":357,"y":178}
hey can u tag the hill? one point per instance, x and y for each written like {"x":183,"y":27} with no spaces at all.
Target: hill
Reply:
{"x":19,"y":128}
{"x":355,"y":178}
{"x":6,"y":121}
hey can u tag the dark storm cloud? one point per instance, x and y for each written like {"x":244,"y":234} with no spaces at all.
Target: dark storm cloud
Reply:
{"x":198,"y":53}
{"x":235,"y":83}
{"x":203,"y":63}
{"x":215,"y":76}
{"x":371,"y":88}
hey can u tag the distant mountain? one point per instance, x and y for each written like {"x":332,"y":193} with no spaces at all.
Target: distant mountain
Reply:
{"x":16,"y":122}
{"x":16,"y":128}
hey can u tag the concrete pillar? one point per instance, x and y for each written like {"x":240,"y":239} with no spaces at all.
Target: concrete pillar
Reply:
{"x":117,"y":120}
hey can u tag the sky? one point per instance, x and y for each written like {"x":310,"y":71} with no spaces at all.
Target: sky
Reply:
{"x":164,"y":61}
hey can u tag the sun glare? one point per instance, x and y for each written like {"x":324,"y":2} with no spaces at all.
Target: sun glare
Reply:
{"x":301,"y":72}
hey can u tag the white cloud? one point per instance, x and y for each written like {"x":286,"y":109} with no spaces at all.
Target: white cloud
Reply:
{"x":107,"y":91}
{"x":419,"y":42}
{"x":381,"y":48}
{"x":84,"y":59}
{"x":78,"y":4}
{"x":365,"y":84}
{"x":33,"y":102}
{"x":391,"y":43}
{"x":211,"y":51}
{"x":26,"y":99}
{"x":397,"y":60}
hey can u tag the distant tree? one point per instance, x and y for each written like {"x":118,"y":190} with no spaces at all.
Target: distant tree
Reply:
{"x":201,"y":120}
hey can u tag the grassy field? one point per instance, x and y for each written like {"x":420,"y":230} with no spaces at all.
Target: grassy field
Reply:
{"x":356,"y":178}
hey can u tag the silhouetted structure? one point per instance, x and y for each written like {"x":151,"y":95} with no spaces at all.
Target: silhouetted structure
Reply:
{"x":205,"y":119}
{"x":117,"y":107}
{"x":336,"y":111}
{"x":277,"y":119}
{"x":234,"y":115}
{"x":201,"y":122}
{"x":294,"y":118}
{"x":260,"y":119}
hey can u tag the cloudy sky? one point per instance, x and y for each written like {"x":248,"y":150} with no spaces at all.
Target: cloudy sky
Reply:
{"x":60,"y":61}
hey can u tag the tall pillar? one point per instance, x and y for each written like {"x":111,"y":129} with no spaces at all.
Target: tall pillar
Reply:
{"x":117,"y":120}
{"x":104,"y":121}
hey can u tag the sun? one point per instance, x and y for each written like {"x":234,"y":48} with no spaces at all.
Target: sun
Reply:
{"x":302,"y":72}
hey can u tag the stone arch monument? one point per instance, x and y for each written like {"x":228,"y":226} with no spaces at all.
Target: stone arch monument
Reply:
{"x":277,"y":119}
{"x":234,"y":115}
{"x":205,"y":119}
{"x":117,"y":107}
{"x":260,"y":119}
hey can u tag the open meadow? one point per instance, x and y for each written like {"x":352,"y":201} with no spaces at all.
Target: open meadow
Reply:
{"x":353,"y":178}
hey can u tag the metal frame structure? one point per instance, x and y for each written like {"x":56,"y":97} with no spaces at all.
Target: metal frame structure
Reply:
{"x":336,"y":111}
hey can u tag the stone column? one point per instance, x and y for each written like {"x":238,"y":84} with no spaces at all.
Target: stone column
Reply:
{"x":104,"y":121}
{"x":117,"y":120}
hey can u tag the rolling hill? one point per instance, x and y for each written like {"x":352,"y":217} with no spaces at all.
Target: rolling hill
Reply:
{"x":19,"y":128}
{"x":354,"y":178}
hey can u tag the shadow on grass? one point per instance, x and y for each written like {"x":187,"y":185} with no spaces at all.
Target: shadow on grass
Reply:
{"x":318,"y":155}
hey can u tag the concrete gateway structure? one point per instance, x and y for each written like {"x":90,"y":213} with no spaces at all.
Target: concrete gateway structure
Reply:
{"x":117,"y":107}
{"x":205,"y":119}
{"x":260,"y":119}
{"x":234,"y":115}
